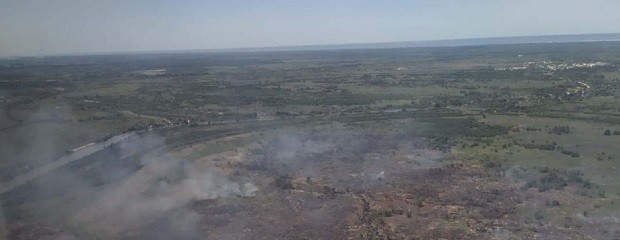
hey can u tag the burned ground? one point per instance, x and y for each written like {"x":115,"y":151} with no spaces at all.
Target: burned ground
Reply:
{"x":484,"y":142}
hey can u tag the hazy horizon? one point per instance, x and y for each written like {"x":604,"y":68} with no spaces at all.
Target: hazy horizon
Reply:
{"x":35,"y":28}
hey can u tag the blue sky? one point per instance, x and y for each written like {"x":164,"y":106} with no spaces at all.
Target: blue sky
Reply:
{"x":42,"y":27}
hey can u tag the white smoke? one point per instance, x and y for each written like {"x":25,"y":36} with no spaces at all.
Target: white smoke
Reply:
{"x":110,"y":210}
{"x":162,"y":185}
{"x":3,"y":225}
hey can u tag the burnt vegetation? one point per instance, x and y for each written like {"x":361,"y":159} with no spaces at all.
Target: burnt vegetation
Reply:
{"x":476,"y":142}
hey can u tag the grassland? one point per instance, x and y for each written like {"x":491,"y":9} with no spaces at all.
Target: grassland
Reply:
{"x":479,"y":142}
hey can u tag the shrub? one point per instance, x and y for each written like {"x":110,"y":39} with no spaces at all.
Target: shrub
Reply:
{"x":559,"y":130}
{"x":284,"y":182}
{"x":570,"y":153}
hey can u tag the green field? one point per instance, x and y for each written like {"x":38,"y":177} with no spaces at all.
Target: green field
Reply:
{"x":450,"y":142}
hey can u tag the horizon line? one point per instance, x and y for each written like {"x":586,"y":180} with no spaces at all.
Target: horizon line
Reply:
{"x":451,"y":42}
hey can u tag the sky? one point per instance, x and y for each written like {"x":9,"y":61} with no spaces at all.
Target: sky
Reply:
{"x":49,"y":27}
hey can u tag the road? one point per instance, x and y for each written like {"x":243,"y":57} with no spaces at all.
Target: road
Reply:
{"x":64,"y":160}
{"x":202,"y":135}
